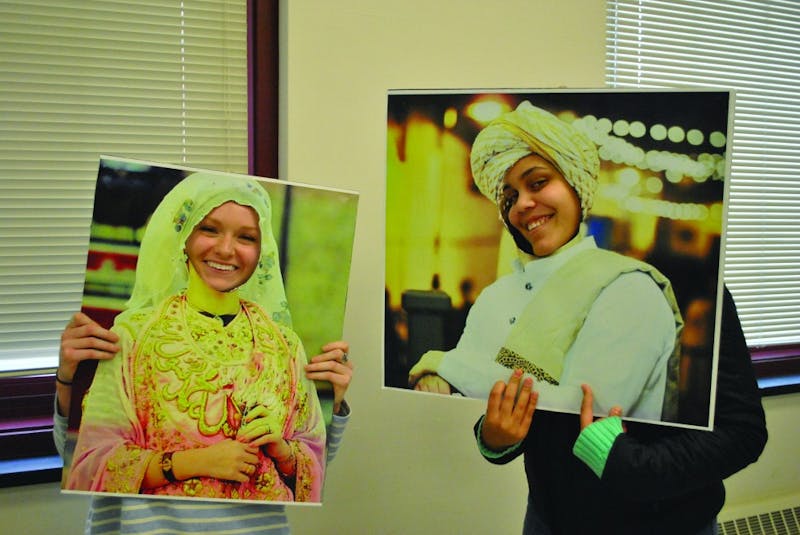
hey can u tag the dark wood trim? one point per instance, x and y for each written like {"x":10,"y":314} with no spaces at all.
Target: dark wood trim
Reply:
{"x":26,"y":416}
{"x":262,"y":69}
{"x":776,"y":352}
{"x":776,"y":362}
{"x":31,"y":477}
{"x":777,"y":367}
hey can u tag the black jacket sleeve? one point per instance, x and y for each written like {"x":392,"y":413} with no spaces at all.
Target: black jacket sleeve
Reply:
{"x":510,"y":455}
{"x":652,"y":462}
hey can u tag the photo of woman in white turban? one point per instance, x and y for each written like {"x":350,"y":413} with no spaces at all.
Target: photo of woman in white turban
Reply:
{"x":208,"y":397}
{"x":570,"y":312}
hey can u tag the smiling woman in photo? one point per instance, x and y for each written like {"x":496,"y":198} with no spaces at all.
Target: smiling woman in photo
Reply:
{"x":208,"y":396}
{"x":570,"y":313}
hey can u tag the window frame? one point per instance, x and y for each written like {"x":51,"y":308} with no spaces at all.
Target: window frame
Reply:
{"x":27,"y":400}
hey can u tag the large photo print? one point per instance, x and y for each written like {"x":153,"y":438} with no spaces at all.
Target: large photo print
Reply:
{"x":576,"y":236}
{"x":219,"y":288}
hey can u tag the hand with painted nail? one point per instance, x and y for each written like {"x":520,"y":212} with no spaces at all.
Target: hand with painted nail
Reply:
{"x":84,"y":339}
{"x":509,"y":412}
{"x":335,"y":366}
{"x":587,"y":415}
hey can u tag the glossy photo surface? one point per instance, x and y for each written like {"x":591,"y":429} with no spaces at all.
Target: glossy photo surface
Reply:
{"x":220,"y":287}
{"x":503,"y":209}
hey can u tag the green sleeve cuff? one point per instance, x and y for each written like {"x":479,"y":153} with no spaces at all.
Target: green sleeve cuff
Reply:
{"x":595,"y":441}
{"x":490,"y":453}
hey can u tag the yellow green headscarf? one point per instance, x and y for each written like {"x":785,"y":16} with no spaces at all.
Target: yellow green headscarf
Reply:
{"x":161,"y":268}
{"x":531,"y":130}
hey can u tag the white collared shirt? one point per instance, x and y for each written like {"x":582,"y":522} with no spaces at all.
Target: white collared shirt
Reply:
{"x":621,"y":351}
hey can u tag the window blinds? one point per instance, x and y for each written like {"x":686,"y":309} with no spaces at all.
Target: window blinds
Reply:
{"x":155,"y":80}
{"x":752,"y":47}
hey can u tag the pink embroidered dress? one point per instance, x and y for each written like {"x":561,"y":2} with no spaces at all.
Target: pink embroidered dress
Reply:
{"x":184,"y":381}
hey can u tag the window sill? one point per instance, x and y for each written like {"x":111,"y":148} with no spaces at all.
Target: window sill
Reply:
{"x":30,"y":471}
{"x":773,"y":386}
{"x":777,"y":369}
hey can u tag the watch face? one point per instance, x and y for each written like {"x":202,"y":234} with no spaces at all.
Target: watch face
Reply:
{"x":166,"y":466}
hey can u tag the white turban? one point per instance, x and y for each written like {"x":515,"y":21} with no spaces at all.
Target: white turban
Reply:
{"x":531,"y":130}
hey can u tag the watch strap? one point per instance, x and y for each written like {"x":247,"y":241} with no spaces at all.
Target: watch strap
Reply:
{"x":166,"y":466}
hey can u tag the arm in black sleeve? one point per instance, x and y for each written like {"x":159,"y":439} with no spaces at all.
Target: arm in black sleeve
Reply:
{"x":659,"y":462}
{"x":502,"y":457}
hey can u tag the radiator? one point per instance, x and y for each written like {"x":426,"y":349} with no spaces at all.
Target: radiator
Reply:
{"x":778,"y":522}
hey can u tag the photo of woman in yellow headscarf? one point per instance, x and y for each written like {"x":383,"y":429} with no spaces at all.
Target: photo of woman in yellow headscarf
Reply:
{"x":208,"y":396}
{"x":569,"y":311}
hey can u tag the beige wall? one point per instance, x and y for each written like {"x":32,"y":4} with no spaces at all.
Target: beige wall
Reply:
{"x":409,"y":464}
{"x":773,"y":481}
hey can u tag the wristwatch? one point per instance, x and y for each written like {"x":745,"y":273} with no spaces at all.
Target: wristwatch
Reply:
{"x":166,"y":466}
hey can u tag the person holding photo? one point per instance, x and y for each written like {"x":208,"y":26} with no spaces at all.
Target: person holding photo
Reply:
{"x":603,"y":476}
{"x":607,"y":322}
{"x":207,"y":396}
{"x":568,"y":306}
